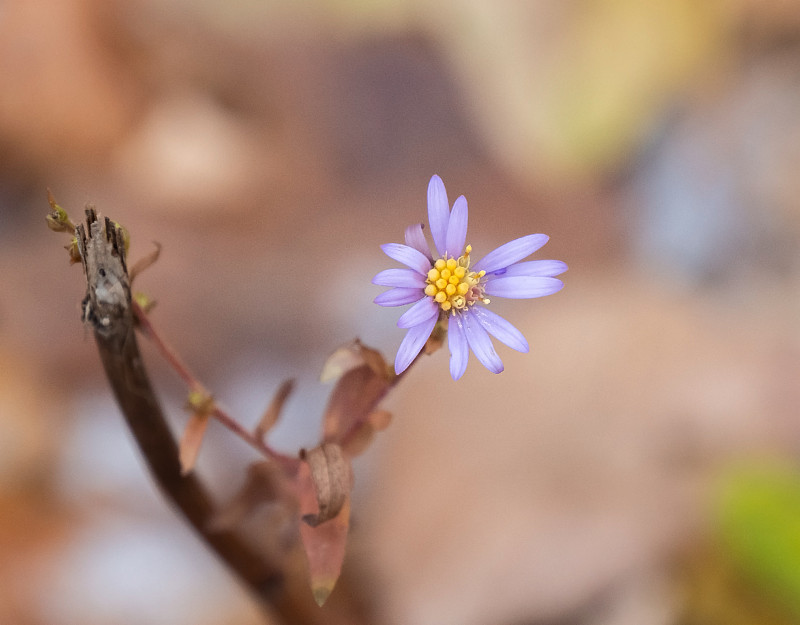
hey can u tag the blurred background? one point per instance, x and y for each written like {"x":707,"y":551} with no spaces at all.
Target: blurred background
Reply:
{"x":638,"y":467}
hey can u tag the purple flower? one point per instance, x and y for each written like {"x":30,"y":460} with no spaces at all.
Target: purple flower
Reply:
{"x":449,"y":288}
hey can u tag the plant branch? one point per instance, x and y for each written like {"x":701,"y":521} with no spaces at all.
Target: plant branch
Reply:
{"x":108,"y":308}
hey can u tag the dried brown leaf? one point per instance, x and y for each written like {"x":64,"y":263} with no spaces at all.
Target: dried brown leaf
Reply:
{"x":332,"y":479}
{"x":376,"y":362}
{"x":324,"y":544}
{"x":340,"y":362}
{"x":354,"y":397}
{"x":191,"y":441}
{"x":349,"y":357}
{"x":273,"y":411}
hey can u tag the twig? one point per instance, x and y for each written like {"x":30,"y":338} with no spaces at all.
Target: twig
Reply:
{"x":108,"y":308}
{"x":289,"y":463}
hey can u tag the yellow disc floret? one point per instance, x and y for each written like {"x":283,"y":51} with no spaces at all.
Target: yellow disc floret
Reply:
{"x":452,"y":285}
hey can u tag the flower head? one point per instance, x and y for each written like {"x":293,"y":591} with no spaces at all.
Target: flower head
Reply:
{"x":449,"y":288}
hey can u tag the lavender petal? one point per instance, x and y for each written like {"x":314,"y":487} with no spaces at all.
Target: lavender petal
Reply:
{"x":510,"y":253}
{"x":405,"y":278}
{"x":500,"y":329}
{"x":419,"y":313}
{"x":416,"y":239}
{"x":457,"y":228}
{"x":412,"y":343}
{"x":481,"y":344}
{"x":523,"y":287}
{"x":398,"y":297}
{"x":532,"y":268}
{"x":458,"y":345}
{"x":438,"y":213}
{"x":409,"y":256}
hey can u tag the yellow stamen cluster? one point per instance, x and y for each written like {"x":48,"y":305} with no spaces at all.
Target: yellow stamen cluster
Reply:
{"x":452,"y":285}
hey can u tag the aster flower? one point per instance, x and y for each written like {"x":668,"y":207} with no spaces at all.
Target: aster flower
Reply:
{"x":449,"y":288}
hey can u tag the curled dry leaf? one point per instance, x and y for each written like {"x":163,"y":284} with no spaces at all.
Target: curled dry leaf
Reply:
{"x":357,"y":392}
{"x":324,"y":542}
{"x":273,"y":411}
{"x":340,"y":362}
{"x":331,"y":478}
{"x":349,"y":357}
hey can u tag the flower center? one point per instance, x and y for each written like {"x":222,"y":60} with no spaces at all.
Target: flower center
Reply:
{"x":452,"y":285}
